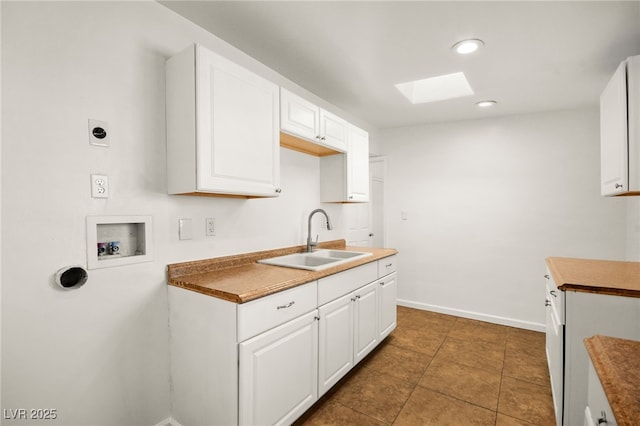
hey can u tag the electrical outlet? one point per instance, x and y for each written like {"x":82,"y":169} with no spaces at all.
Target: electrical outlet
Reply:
{"x":100,"y":186}
{"x":210,"y":224}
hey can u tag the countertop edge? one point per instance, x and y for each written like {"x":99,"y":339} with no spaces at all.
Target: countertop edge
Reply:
{"x":177,"y":276}
{"x":589,"y":277}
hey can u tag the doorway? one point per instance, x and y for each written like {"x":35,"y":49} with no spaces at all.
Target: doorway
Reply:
{"x":365,"y":221}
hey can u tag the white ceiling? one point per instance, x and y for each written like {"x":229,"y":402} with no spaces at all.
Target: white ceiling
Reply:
{"x":538,"y":55}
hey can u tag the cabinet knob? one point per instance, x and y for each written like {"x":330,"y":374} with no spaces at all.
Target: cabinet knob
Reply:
{"x":323,"y":138}
{"x":618,"y":185}
{"x":371,"y":235}
{"x":546,"y":276}
{"x":553,"y":293}
{"x":547,"y":302}
{"x":278,"y":190}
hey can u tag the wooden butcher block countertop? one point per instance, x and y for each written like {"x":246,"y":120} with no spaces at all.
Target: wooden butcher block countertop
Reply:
{"x":239,"y":278}
{"x":617,"y":363}
{"x":596,"y":276}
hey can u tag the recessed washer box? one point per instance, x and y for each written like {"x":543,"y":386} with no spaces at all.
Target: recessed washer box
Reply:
{"x":118,"y":240}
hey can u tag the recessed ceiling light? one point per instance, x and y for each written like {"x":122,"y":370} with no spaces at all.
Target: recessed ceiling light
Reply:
{"x":438,"y":88}
{"x":486,"y":104}
{"x":467,"y":46}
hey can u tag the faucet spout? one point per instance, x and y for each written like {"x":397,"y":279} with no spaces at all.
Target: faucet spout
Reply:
{"x":311,"y":244}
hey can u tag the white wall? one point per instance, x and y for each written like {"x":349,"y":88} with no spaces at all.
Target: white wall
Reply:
{"x":487,"y":201}
{"x":99,"y":354}
{"x":633,"y":228}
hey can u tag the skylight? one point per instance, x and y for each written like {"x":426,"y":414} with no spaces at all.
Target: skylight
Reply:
{"x":434,"y":89}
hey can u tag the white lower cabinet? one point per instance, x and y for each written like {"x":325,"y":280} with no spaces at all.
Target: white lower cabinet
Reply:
{"x":554,"y":346}
{"x":598,"y":410}
{"x":365,"y":321}
{"x":267,"y":361}
{"x":354,"y":324}
{"x":336,"y":342}
{"x":573,"y":316}
{"x":348,"y":332}
{"x":387,"y":297}
{"x":278,"y":380}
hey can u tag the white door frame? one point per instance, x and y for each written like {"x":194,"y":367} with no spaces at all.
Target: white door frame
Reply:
{"x":381,"y":162}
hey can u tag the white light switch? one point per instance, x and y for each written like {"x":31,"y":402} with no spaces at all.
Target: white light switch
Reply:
{"x":185,"y":229}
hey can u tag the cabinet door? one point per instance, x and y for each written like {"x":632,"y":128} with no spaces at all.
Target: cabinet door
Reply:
{"x":335,"y":357}
{"x":365,"y":321}
{"x":614,"y":172}
{"x":299,"y":117}
{"x":358,"y":165}
{"x":333,"y":131}
{"x":279,"y":373}
{"x":387,"y":295}
{"x":237,"y":129}
{"x":598,"y":409}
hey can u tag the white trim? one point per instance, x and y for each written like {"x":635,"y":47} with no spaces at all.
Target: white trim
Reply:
{"x":511,"y":322}
{"x":169,"y":421}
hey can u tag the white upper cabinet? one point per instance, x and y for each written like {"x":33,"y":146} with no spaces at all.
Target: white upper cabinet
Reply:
{"x":344,"y":178}
{"x":620,"y":131}
{"x":358,"y":165}
{"x":222,"y":128}
{"x":298,"y":116}
{"x":333,"y":131}
{"x":301,"y":118}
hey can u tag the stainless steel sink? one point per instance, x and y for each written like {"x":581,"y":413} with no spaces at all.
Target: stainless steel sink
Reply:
{"x":316,"y":260}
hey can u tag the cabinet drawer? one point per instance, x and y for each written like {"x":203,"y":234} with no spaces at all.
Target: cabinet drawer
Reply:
{"x":334,"y":286}
{"x":387,"y":265}
{"x":267,"y":312}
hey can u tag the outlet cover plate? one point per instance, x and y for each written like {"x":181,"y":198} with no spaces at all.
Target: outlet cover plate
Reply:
{"x":100,"y":186}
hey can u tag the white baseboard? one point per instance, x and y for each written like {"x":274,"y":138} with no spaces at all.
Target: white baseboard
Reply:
{"x":169,"y":421}
{"x":527,"y":325}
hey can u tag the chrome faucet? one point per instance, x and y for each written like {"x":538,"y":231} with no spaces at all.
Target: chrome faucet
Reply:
{"x":312,"y":244}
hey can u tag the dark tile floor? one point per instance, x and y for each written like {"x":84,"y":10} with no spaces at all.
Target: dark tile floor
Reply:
{"x":437,"y":369}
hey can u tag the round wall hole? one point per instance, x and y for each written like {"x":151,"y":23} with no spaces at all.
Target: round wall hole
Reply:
{"x":71,"y":277}
{"x":99,"y":132}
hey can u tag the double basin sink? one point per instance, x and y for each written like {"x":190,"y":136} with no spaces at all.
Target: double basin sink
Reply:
{"x":315,"y":260}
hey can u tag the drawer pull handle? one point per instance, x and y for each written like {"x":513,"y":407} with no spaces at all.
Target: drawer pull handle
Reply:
{"x":603,"y":418}
{"x":546,"y":276}
{"x":547,"y":302}
{"x":290,"y":304}
{"x":553,"y":293}
{"x":388,"y":265}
